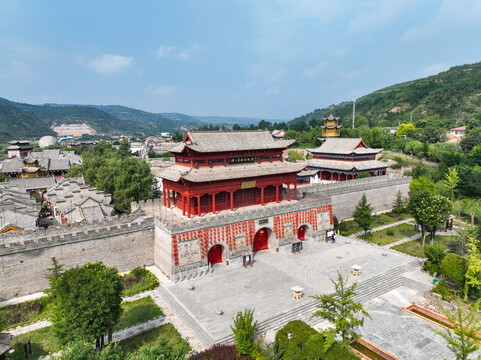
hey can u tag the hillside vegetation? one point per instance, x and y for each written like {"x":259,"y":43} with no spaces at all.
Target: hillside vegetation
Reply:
{"x":450,"y":98}
{"x":16,"y":123}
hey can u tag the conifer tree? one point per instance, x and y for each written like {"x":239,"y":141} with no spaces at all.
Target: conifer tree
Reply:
{"x":363,"y":214}
{"x":244,"y":329}
{"x":398,"y":205}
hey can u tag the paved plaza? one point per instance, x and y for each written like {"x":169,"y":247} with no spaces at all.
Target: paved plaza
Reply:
{"x":266,"y":287}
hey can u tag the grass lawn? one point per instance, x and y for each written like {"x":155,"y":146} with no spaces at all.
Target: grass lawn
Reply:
{"x":378,"y":220}
{"x":138,"y":280}
{"x":415,"y":247}
{"x":136,"y":312}
{"x":24,"y":313}
{"x":399,"y":232}
{"x":150,"y":338}
{"x":43,"y":341}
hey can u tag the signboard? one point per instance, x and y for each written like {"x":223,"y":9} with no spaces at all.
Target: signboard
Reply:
{"x":248,"y":184}
{"x":263,"y":221}
{"x":241,"y":160}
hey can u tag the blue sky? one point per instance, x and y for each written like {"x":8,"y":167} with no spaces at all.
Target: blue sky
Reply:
{"x":271,"y":59}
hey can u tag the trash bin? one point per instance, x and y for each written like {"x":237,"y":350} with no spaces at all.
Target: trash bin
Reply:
{"x":435,"y":281}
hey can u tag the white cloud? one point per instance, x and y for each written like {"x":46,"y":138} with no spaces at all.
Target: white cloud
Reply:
{"x":450,"y":17}
{"x":186,"y":53}
{"x":314,"y":71}
{"x":434,"y":69}
{"x":165,"y":51}
{"x":110,"y":64}
{"x":181,"y":53}
{"x":273,"y":90}
{"x":162,"y":90}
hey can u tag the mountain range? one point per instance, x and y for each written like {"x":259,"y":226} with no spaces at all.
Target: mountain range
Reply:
{"x":449,"y":99}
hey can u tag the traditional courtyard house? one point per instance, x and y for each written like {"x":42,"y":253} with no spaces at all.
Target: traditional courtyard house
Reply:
{"x":230,"y":195}
{"x":72,"y":201}
{"x":19,"y":148}
{"x":18,"y":211}
{"x":40,"y":164}
{"x":331,"y":126}
{"x":342,"y":159}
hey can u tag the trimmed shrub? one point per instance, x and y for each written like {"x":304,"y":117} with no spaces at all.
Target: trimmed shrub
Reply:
{"x":294,"y":348}
{"x":444,"y":290}
{"x":219,"y":352}
{"x":390,"y":232}
{"x":363,"y":175}
{"x":454,"y":267}
{"x":435,"y":254}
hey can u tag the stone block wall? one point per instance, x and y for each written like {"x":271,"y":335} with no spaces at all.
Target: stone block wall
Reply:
{"x":380,"y":193}
{"x":23,"y":263}
{"x":179,"y":250}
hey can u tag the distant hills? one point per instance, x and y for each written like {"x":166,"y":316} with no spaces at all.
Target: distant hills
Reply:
{"x":26,"y":121}
{"x":450,"y":98}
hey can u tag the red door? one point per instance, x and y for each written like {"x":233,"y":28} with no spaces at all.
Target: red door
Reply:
{"x":301,"y":233}
{"x":261,"y":240}
{"x":214,"y":255}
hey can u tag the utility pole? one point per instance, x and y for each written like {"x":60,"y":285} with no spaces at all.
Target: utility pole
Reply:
{"x":353,"y":111}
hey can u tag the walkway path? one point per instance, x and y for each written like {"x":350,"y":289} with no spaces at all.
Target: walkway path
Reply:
{"x":402,"y":241}
{"x":383,"y":227}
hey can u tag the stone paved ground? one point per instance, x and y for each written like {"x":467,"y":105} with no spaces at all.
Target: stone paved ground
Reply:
{"x":267,"y":285}
{"x":403,"y":335}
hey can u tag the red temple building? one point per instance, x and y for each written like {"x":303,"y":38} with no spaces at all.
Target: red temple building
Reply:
{"x":216,"y":171}
{"x":342,"y":159}
{"x":230,"y":195}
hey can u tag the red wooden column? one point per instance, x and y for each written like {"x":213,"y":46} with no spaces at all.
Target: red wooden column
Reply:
{"x":198,"y":205}
{"x":262,"y":196}
{"x":168,"y":198}
{"x":183,"y":205}
{"x":288,"y":192}
{"x":213,"y":203}
{"x":295,"y":191}
{"x":338,"y":176}
{"x":188,"y":205}
{"x":277,"y":194}
{"x":231,"y":201}
{"x":163,"y":193}
{"x":332,"y":176}
{"x":353,"y":176}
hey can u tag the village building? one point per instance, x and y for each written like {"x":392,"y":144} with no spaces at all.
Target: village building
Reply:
{"x":18,"y":210}
{"x":331,"y":128}
{"x":278,"y":134}
{"x":458,"y":131}
{"x":342,"y":159}
{"x":40,"y":164}
{"x":19,"y":148}
{"x":230,"y":195}
{"x":72,"y":201}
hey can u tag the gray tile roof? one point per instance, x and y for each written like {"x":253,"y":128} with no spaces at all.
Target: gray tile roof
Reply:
{"x":32,"y":183}
{"x":219,"y":141}
{"x":205,"y":174}
{"x":348,"y":165}
{"x":343,"y":146}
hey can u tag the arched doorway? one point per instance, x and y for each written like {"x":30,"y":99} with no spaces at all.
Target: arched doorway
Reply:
{"x":261,"y":240}
{"x":214,"y":255}
{"x":301,"y":233}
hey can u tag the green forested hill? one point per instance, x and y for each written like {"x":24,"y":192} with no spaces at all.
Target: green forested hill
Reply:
{"x":16,"y":123}
{"x":450,"y":98}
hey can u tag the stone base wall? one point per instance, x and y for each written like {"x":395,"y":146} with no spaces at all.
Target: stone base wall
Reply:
{"x":380,"y":193}
{"x":178,"y":251}
{"x":23,"y":265}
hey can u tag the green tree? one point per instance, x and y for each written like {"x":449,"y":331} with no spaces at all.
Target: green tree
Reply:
{"x":244,"y":330}
{"x":398,"y":205}
{"x":403,"y":128}
{"x":451,"y":180}
{"x":473,"y":274}
{"x":86,"y":302}
{"x":162,"y":350}
{"x":295,"y":155}
{"x":363,"y":214}
{"x":462,"y":338}
{"x":341,"y":310}
{"x":435,"y":212}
